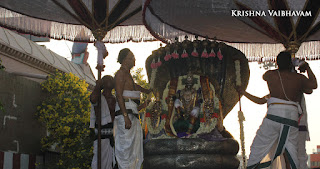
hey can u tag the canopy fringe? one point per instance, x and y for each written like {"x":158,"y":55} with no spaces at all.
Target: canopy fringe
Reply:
{"x":120,"y":34}
{"x":255,"y":52}
{"x":78,"y":33}
{"x":268,"y":52}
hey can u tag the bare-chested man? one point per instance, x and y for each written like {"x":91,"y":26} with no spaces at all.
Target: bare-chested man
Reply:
{"x":108,"y":102}
{"x":128,"y":132}
{"x":278,"y":133}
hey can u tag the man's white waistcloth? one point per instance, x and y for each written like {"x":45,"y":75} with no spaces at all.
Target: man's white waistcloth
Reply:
{"x":277,"y":134}
{"x":130,"y":104}
{"x":107,"y":154}
{"x":276,"y":103}
{"x":128,"y":142}
{"x":105,"y":113}
{"x":304,"y":118}
{"x":303,"y":136}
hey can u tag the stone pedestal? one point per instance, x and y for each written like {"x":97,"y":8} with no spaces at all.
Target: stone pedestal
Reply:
{"x":191,"y":153}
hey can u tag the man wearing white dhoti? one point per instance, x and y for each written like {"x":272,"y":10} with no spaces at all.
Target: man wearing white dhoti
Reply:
{"x":107,"y":117}
{"x":278,"y":133}
{"x":127,"y":129}
{"x":303,"y":135}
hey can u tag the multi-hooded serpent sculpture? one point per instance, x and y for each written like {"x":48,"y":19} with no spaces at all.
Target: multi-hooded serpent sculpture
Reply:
{"x":195,"y":88}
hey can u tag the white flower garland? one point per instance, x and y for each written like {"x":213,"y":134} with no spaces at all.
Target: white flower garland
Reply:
{"x":153,"y":76}
{"x":240,"y":113}
{"x":163,"y":136}
{"x":150,"y":105}
{"x":157,"y":129}
{"x":204,"y":128}
{"x":238,"y":75}
{"x":243,"y":151}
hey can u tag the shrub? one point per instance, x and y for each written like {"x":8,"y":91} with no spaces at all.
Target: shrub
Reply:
{"x":66,"y":115}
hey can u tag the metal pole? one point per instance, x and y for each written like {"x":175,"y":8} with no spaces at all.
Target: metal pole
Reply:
{"x":99,"y":122}
{"x":101,"y":54}
{"x":99,"y":34}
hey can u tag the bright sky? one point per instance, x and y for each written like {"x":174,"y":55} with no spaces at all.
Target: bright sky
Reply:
{"x":254,"y":113}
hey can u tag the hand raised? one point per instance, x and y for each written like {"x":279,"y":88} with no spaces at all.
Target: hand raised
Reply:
{"x":303,"y":66}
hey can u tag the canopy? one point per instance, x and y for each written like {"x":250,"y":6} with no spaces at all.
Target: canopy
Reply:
{"x":78,"y":20}
{"x":67,"y":19}
{"x":245,"y":22}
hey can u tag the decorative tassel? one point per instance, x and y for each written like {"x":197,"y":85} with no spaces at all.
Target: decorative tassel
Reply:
{"x":175,"y":54}
{"x":212,"y":54}
{"x":159,"y":63}
{"x":219,"y":54}
{"x":243,"y":151}
{"x":195,"y":53}
{"x":204,"y":53}
{"x":153,"y":74}
{"x":167,"y":57}
{"x":102,"y":51}
{"x":238,"y":73}
{"x":241,"y":119}
{"x":153,"y":64}
{"x":184,"y":54}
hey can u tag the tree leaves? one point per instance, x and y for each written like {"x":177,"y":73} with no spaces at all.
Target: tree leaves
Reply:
{"x":66,"y":115}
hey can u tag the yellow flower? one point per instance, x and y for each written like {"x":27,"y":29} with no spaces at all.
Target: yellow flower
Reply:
{"x":61,"y":117}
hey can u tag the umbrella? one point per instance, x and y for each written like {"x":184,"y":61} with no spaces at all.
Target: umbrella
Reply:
{"x":119,"y":20}
{"x":78,"y":20}
{"x":287,"y":22}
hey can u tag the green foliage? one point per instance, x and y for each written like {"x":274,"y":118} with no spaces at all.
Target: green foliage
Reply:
{"x":66,"y":115}
{"x":138,"y":78}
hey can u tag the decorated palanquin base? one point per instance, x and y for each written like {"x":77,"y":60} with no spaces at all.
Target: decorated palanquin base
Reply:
{"x":194,"y":84}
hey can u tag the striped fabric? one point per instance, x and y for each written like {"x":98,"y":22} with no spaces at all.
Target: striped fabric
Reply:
{"x":10,"y":160}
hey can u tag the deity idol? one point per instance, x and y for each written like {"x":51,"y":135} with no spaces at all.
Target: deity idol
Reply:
{"x":194,"y":87}
{"x":188,"y":103}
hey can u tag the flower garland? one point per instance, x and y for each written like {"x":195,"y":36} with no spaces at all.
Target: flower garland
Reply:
{"x":155,"y":130}
{"x":171,"y":123}
{"x":240,"y":114}
{"x":154,"y":67}
{"x":153,"y":77}
{"x":238,"y":75}
{"x":204,"y":127}
{"x":163,"y":136}
{"x":219,"y":55}
{"x":243,"y":150}
{"x":151,"y":129}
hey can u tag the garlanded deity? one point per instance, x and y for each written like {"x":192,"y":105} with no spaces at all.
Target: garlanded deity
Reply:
{"x":188,"y":103}
{"x":195,"y":83}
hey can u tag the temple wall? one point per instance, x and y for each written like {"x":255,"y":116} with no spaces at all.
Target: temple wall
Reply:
{"x":13,"y":65}
{"x":20,"y":132}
